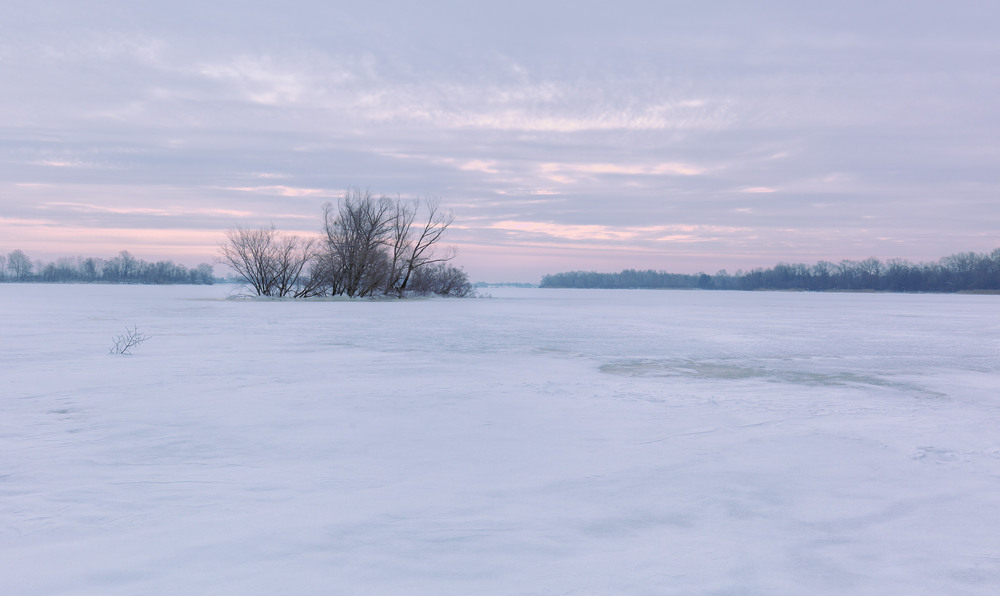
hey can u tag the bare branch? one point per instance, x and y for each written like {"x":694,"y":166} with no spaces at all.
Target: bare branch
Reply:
{"x":124,"y":343}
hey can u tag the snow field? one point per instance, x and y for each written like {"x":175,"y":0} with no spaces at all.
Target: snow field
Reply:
{"x":537,"y":442}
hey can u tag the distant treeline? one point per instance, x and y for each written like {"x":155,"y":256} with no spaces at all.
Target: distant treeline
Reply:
{"x":967,"y":271}
{"x":504,"y":284}
{"x":124,"y":268}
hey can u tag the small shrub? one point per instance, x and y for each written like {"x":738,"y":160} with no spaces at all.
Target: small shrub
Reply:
{"x":441,"y":279}
{"x":124,"y":343}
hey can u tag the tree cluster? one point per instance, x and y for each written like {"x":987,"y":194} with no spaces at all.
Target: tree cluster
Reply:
{"x":370,"y":246}
{"x":124,"y":268}
{"x":967,"y":271}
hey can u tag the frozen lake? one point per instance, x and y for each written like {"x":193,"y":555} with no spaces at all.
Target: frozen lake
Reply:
{"x":536,"y":442}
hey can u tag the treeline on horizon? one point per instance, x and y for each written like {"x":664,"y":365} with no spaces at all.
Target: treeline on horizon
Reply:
{"x":967,"y":271}
{"x":122,"y":269}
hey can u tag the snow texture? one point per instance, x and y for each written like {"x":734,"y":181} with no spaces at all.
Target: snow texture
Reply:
{"x":535,"y":442}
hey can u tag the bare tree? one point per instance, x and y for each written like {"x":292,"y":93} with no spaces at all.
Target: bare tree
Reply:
{"x":246,"y":251}
{"x":129,"y":265}
{"x":272,"y":263}
{"x":90,"y":269}
{"x":19,"y":265}
{"x":356,"y":234}
{"x":291,"y":255}
{"x":324,"y":278}
{"x":422,"y":251}
{"x":399,"y":248}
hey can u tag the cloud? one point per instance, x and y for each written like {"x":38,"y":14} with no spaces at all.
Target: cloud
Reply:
{"x":485,"y":166}
{"x":122,"y":210}
{"x":286,"y":191}
{"x":72,"y":163}
{"x":555,"y":171}
{"x":594,"y":232}
{"x":478,"y":165}
{"x":259,"y":80}
{"x":19,"y":221}
{"x":571,"y":232}
{"x":527,"y":118}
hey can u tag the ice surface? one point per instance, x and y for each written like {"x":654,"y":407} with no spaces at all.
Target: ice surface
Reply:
{"x":537,"y":442}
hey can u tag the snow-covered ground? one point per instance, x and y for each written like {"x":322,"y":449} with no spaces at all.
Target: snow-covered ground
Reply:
{"x":537,"y":442}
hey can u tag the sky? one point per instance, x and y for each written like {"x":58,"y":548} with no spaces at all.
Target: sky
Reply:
{"x":685,"y":136}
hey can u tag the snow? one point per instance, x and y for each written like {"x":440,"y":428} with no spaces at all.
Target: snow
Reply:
{"x":535,"y":442}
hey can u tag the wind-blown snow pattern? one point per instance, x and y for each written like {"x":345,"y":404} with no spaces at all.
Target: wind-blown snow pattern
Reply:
{"x":534,"y":442}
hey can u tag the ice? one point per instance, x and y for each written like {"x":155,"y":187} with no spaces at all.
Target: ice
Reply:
{"x":534,"y":442}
